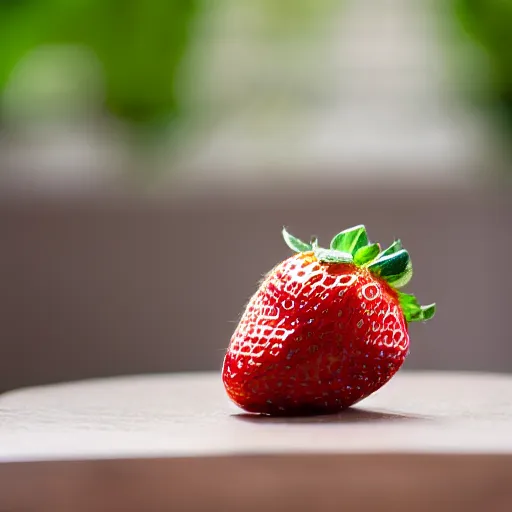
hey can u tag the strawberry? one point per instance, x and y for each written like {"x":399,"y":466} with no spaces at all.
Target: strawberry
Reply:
{"x":326,"y":328}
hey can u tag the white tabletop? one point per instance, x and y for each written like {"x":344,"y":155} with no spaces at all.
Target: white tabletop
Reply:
{"x":421,"y":427}
{"x":189,"y":414}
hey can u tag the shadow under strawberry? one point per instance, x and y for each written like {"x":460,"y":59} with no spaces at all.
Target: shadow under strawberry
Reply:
{"x":351,"y":415}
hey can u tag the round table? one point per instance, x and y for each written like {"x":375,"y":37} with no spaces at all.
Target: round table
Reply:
{"x":175,"y":442}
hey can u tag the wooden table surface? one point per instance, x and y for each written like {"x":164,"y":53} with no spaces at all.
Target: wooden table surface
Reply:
{"x":175,"y":442}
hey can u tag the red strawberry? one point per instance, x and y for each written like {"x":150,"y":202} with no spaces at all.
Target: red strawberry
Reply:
{"x":326,"y":328}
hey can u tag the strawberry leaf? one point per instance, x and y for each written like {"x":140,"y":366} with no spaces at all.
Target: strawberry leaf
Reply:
{"x":350,"y":240}
{"x":400,"y":280}
{"x":294,"y":243}
{"x":393,"y":264}
{"x":394,"y":247}
{"x":413,"y":311}
{"x":428,"y":311}
{"x":366,"y":254}
{"x":330,"y":256}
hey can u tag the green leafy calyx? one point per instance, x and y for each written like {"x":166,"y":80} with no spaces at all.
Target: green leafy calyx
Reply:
{"x":350,"y":240}
{"x":413,"y":311}
{"x":392,"y":264}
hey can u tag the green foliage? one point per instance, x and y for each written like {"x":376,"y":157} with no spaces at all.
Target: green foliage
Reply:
{"x":292,"y":16}
{"x":488,"y":23}
{"x":139,"y":44}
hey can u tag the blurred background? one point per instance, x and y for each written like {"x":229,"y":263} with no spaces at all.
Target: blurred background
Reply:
{"x":151,"y":151}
